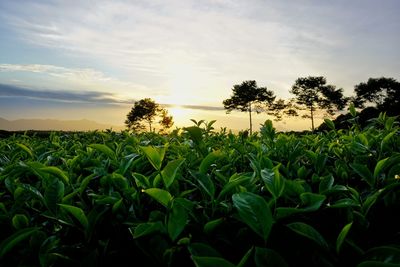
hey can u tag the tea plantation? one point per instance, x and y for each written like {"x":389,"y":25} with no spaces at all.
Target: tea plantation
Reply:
{"x":201,"y":197}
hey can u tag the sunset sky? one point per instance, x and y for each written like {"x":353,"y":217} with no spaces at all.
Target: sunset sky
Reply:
{"x":92,"y":59}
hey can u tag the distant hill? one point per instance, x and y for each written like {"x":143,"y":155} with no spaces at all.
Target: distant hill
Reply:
{"x":57,"y":125}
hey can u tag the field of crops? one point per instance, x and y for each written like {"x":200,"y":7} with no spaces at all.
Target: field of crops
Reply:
{"x":201,"y":197}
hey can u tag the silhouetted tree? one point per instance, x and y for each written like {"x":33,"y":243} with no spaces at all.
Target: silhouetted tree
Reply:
{"x":145,"y":111}
{"x":247,"y":94}
{"x":280,"y":108}
{"x":166,"y":120}
{"x":312,"y":92}
{"x":383,"y":93}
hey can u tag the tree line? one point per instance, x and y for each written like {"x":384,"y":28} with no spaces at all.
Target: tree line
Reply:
{"x":311,"y":94}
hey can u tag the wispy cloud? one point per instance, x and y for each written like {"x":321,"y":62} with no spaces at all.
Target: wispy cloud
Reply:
{"x":63,"y":96}
{"x":92,"y":97}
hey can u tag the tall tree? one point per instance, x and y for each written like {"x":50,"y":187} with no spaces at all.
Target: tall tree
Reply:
{"x":145,"y":111}
{"x":312,"y":92}
{"x":382,"y":92}
{"x":245,"y":95}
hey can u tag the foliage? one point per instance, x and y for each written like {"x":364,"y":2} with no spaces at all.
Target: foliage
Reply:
{"x":198,"y":197}
{"x":246,"y":94}
{"x":383,"y":92}
{"x":145,"y":110}
{"x":312,"y":92}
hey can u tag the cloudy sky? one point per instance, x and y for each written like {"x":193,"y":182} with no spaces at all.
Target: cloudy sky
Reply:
{"x":92,"y":59}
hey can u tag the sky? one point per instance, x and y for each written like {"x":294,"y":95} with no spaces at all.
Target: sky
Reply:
{"x":92,"y":59}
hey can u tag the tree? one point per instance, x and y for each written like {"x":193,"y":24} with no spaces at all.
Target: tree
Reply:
{"x":166,"y":120}
{"x":245,"y":95}
{"x":383,"y":92}
{"x":312,"y":92}
{"x":146,"y":110}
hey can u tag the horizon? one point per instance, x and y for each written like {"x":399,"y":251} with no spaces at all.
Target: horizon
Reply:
{"x":73,"y":60}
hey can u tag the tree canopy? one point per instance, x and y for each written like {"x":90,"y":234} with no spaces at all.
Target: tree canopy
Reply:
{"x":313,"y":93}
{"x":383,"y":93}
{"x":245,"y":95}
{"x":145,"y":111}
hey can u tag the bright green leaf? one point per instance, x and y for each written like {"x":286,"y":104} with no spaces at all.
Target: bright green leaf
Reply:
{"x":162,"y":196}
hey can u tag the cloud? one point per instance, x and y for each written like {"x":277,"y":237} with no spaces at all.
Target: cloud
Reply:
{"x":92,"y":97}
{"x":61,"y":72}
{"x":61,"y":96}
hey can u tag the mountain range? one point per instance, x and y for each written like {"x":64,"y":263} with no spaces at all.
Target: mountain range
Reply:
{"x":56,"y":125}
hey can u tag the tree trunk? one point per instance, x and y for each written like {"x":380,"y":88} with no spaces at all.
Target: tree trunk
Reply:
{"x":251,"y":124}
{"x":150,"y":125}
{"x":312,"y":118}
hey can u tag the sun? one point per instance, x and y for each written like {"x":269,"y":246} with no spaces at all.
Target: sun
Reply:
{"x":182,"y":85}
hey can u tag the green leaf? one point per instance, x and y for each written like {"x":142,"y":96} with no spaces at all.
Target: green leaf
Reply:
{"x":389,"y":254}
{"x":208,"y":160}
{"x":380,"y":166}
{"x":206,"y":183}
{"x":245,"y":258}
{"x":7,"y":244}
{"x":386,"y":140}
{"x":201,"y":249}
{"x":77,"y":213}
{"x":326,"y":184}
{"x":169,"y":172}
{"x":162,"y":196}
{"x":155,"y":155}
{"x":311,"y":201}
{"x":56,"y":172}
{"x":26,"y":149}
{"x":309,"y":232}
{"x":364,"y":172}
{"x":342,"y":236}
{"x":20,"y":221}
{"x":144,"y":229}
{"x":211,"y":262}
{"x":105,"y":150}
{"x":177,"y":220}
{"x":195,"y":133}
{"x":211,"y":225}
{"x":370,"y":201}
{"x":141,"y":180}
{"x":273,"y":181}
{"x":352,"y":110}
{"x":255,"y":212}
{"x":330,"y":124}
{"x":268,"y":257}
{"x":33,"y":191}
{"x":234,"y":181}
{"x":53,"y":194}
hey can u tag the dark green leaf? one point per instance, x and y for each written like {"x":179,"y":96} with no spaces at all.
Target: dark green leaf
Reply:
{"x":177,"y":220}
{"x":7,"y":244}
{"x":364,"y":172}
{"x":309,"y":232}
{"x":56,"y":172}
{"x":144,"y":229}
{"x":268,"y":257}
{"x":169,"y":172}
{"x":208,"y":160}
{"x":255,"y":212}
{"x":273,"y":181}
{"x":342,"y":236}
{"x":211,"y":262}
{"x":77,"y":213}
{"x":105,"y":150}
